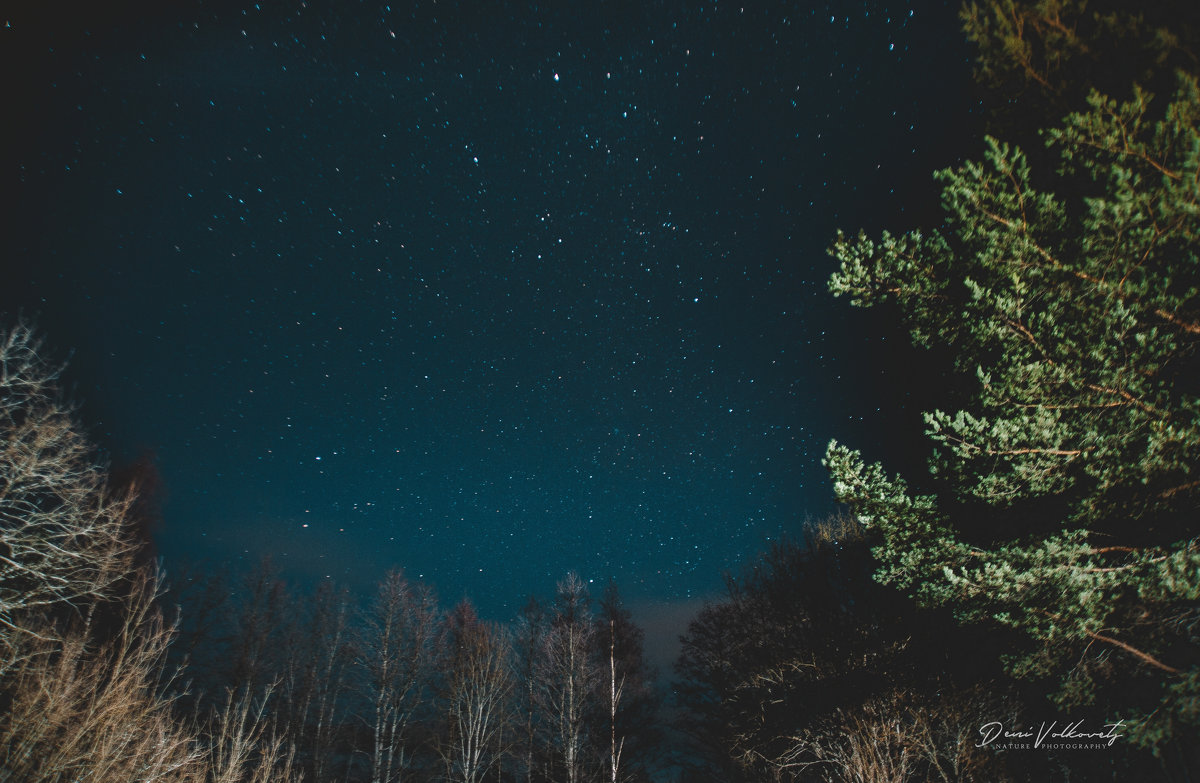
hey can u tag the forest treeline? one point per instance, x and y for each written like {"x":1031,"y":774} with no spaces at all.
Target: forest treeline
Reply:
{"x":398,"y":687}
{"x":256,"y":681}
{"x":1043,"y":569}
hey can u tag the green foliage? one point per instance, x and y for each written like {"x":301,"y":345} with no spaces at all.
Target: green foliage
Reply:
{"x":1078,"y":317}
{"x":1040,"y":58}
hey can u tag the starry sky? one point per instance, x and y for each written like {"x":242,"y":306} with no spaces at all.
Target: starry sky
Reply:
{"x":486,"y":291}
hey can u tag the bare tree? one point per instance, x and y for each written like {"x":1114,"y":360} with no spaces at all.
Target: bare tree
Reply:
{"x":242,"y":748}
{"x":880,"y":743}
{"x":83,"y":646}
{"x":93,"y":712}
{"x":396,"y":654}
{"x":256,"y":642}
{"x":83,"y":711}
{"x":477,"y":687}
{"x":62,"y":533}
{"x":615,"y":690}
{"x":949,"y":744}
{"x":633,"y":738}
{"x":528,"y":635}
{"x":199,"y":596}
{"x":569,"y":676}
{"x":315,"y":679}
{"x":897,"y":737}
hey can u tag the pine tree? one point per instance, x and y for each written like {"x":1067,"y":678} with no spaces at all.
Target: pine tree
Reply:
{"x":1077,"y":319}
{"x":1038,"y":59}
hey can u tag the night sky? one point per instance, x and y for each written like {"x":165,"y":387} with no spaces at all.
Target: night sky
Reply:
{"x":489,"y":291}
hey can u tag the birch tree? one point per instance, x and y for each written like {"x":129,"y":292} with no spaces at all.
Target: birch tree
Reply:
{"x":62,"y":532}
{"x":528,"y":636}
{"x":569,"y":677}
{"x":478,"y":686}
{"x":631,"y":735}
{"x":316,"y":679}
{"x":397,"y":657}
